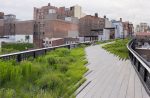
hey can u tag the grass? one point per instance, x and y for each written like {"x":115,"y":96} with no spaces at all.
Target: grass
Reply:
{"x":15,"y":47}
{"x":54,"y":75}
{"x":118,"y":48}
{"x":106,"y":41}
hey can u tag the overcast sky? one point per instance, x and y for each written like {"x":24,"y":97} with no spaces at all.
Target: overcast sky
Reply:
{"x":133,"y":10}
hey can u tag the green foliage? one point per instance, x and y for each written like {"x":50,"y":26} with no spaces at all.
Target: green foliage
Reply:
{"x":119,"y":48}
{"x":7,"y":93}
{"x":106,"y":41}
{"x":17,"y":46}
{"x":51,"y":76}
{"x":5,"y":51}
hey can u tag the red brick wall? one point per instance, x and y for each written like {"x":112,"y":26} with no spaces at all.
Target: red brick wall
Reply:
{"x":87,"y":23}
{"x":1,"y":15}
{"x":1,"y":27}
{"x":55,"y":29}
{"x":58,"y":42}
{"x":58,"y":28}
{"x":1,"y":30}
{"x":24,"y":27}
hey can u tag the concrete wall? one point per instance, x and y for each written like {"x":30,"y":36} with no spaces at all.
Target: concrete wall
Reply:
{"x":105,"y":35}
{"x":73,"y":34}
{"x":108,"y":24}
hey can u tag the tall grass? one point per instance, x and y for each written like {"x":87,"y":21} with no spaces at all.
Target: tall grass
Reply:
{"x":15,"y":47}
{"x":119,"y":48}
{"x":54,"y":75}
{"x":105,"y":41}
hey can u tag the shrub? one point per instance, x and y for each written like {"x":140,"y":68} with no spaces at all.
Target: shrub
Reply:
{"x":7,"y":93}
{"x":62,"y":52}
{"x":49,"y":81}
{"x":48,"y":76}
{"x":118,"y":48}
{"x":63,"y":68}
{"x":17,"y":46}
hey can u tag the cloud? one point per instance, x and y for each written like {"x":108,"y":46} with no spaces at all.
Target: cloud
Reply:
{"x":135,"y":11}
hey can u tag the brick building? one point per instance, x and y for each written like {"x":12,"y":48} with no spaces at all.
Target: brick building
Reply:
{"x":1,"y":27}
{"x":1,"y":23}
{"x":54,"y":29}
{"x":91,"y":26}
{"x":54,"y":22}
{"x":50,"y":12}
{"x":128,"y":29}
{"x":1,"y":15}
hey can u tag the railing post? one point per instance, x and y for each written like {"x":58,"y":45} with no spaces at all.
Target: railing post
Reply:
{"x":45,"y":51}
{"x":19,"y":59}
{"x":34,"y":55}
{"x":145,"y":74}
{"x":139,"y":65}
{"x":69,"y":46}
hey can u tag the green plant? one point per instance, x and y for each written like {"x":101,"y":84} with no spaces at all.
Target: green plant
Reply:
{"x":49,"y":76}
{"x":119,"y":48}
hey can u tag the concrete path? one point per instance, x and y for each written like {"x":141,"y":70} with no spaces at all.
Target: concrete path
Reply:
{"x":109,"y":77}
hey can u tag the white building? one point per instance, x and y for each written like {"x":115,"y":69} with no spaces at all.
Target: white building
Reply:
{"x":17,"y":38}
{"x":107,"y":30}
{"x":118,"y":28}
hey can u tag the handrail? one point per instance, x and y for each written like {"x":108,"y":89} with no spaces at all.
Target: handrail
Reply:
{"x":140,"y":58}
{"x":141,"y":66}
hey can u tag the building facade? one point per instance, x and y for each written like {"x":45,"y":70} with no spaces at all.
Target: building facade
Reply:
{"x":76,"y":11}
{"x":96,"y":28}
{"x":49,"y":12}
{"x":142,"y":27}
{"x":128,"y":29}
{"x":1,"y":15}
{"x":118,"y":28}
{"x":123,"y":29}
{"x":91,"y":27}
{"x":52,"y":12}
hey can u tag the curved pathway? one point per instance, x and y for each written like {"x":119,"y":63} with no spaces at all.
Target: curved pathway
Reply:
{"x":109,"y":77}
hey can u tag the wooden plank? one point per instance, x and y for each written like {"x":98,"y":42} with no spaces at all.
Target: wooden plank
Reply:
{"x":124,"y":86}
{"x":100,"y":80}
{"x":144,"y":93}
{"x":138,"y":89}
{"x":130,"y":90}
{"x":118,"y":83}
{"x":109,"y":87}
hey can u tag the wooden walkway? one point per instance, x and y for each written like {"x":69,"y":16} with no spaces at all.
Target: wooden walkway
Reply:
{"x":110,"y":77}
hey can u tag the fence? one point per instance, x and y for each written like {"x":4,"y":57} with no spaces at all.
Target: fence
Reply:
{"x":24,"y":55}
{"x":141,"y":66}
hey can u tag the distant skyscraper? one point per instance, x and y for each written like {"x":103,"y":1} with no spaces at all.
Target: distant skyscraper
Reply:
{"x":143,"y":27}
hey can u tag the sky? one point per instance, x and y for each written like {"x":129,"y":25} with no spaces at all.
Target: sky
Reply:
{"x":135,"y":11}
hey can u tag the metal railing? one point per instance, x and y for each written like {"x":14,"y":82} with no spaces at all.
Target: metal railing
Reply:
{"x":141,"y":66}
{"x":24,"y":55}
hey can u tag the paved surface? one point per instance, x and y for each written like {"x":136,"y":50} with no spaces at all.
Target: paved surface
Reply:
{"x":110,"y":77}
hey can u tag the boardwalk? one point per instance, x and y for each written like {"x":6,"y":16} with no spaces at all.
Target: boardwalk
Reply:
{"x":110,"y":77}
